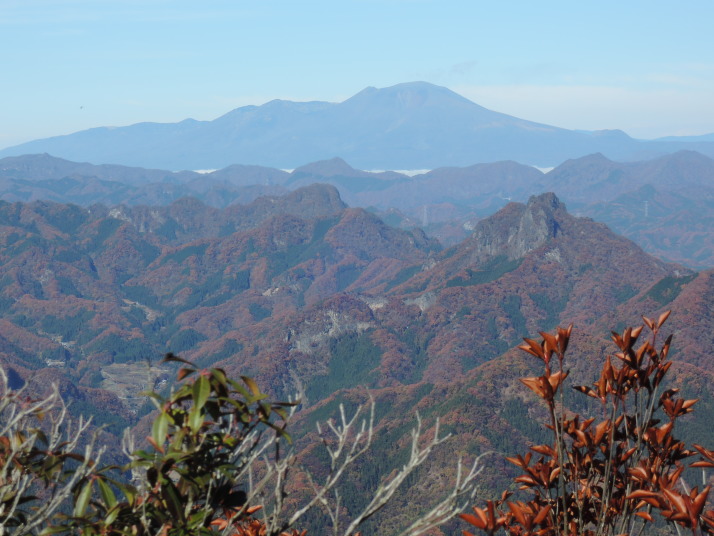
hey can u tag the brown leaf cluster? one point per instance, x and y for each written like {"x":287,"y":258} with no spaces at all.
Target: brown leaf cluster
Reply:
{"x":610,"y":476}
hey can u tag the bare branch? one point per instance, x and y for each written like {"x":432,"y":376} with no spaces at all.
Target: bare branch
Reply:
{"x":31,"y":431}
{"x":345,"y":441}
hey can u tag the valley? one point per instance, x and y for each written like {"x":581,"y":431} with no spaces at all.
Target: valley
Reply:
{"x":94,"y":287}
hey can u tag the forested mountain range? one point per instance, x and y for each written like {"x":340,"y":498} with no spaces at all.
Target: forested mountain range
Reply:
{"x":666,"y":204}
{"x":310,"y":296}
{"x":408,"y":126}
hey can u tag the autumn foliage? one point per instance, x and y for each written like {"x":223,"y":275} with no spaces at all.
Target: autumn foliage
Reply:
{"x":204,"y":438}
{"x":217,"y":462}
{"x":608,"y":476}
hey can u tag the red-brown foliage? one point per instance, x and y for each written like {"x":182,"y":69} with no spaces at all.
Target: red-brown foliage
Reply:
{"x":605,"y":477}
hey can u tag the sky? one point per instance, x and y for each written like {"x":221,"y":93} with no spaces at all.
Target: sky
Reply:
{"x":646,"y":67}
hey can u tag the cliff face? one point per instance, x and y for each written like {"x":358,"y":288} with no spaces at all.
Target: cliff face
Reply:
{"x":518,"y":229}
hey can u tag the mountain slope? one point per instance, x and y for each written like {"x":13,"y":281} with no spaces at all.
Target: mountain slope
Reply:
{"x":83,"y":288}
{"x":666,"y":204}
{"x":309,"y":296}
{"x":595,"y":178}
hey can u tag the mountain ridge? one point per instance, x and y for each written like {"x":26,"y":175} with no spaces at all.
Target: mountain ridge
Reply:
{"x":664,"y":204}
{"x":414,"y":125}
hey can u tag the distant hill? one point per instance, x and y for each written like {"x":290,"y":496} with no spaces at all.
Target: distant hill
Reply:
{"x":596,"y":178}
{"x":665,"y":204}
{"x":47,"y":178}
{"x":700,"y":138}
{"x":113,"y":273}
{"x":408,"y":126}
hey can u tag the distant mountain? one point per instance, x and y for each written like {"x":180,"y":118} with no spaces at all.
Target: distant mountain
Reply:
{"x":483,"y":188}
{"x":109,"y":272}
{"x":44,"y":177}
{"x":47,"y":167}
{"x":700,"y":138}
{"x":665,"y":204}
{"x":92,"y":288}
{"x":595,"y":178}
{"x":408,"y":126}
{"x":510,"y":253}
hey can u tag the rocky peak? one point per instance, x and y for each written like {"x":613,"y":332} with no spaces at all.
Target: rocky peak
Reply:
{"x":518,"y":228}
{"x":540,"y":220}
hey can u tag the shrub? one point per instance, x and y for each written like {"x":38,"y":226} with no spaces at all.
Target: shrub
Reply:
{"x":39,"y":463}
{"x":605,"y":477}
{"x":218,"y":463}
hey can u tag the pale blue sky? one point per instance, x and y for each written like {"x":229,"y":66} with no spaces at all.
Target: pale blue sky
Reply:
{"x":646,"y":67}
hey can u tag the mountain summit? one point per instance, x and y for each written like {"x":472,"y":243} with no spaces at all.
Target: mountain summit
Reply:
{"x":414,"y":125}
{"x":531,"y":226}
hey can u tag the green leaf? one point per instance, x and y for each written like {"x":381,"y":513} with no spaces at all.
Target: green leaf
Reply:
{"x":54,"y":530}
{"x":128,"y":491}
{"x":250,"y":382}
{"x":107,"y":494}
{"x":195,"y":419}
{"x":239,"y":388}
{"x":83,"y":500}
{"x":220,"y":375}
{"x":201,"y":390}
{"x":144,"y":456}
{"x":160,"y":429}
{"x":173,"y":501}
{"x":112,"y":516}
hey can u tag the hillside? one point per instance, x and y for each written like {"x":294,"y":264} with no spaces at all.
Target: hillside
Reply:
{"x":665,"y":205}
{"x":285,"y":283}
{"x":310,"y":296}
{"x":85,"y":288}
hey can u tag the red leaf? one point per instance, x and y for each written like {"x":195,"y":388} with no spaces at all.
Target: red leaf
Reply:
{"x":663,"y":317}
{"x":473,"y":520}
